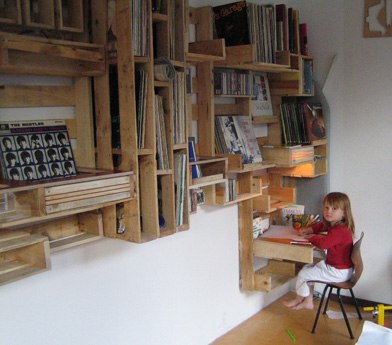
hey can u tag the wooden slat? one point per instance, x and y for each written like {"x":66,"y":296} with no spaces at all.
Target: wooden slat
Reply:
{"x":74,"y":187}
{"x":96,"y":194}
{"x":36,"y":96}
{"x":88,"y":192}
{"x":87,"y":202}
{"x":84,"y":152}
{"x":54,"y":50}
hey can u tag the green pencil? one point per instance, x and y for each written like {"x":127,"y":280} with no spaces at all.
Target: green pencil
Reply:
{"x":291,"y":335}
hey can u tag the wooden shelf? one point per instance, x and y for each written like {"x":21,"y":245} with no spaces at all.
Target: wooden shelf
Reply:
{"x":209,"y":50}
{"x":22,"y":255}
{"x":33,"y":55}
{"x":242,"y":57}
{"x":275,"y":274}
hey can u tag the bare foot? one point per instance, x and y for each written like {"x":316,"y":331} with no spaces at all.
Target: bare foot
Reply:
{"x":294,"y":302}
{"x":305,"y":304}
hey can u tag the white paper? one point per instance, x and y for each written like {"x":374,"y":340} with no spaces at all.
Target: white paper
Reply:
{"x":373,"y":334}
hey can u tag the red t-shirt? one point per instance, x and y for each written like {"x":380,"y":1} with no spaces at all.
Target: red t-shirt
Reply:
{"x":338,"y":242}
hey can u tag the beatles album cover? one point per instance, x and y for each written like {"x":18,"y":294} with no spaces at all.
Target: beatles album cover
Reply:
{"x":35,"y":150}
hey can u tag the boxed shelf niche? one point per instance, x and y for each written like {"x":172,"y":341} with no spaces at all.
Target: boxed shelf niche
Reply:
{"x":69,"y":15}
{"x":10,"y":12}
{"x":39,"y":13}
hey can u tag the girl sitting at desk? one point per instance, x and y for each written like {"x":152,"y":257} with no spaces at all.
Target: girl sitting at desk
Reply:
{"x":337,"y":267}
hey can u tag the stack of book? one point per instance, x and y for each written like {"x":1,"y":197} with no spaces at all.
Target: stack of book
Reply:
{"x":161,"y":139}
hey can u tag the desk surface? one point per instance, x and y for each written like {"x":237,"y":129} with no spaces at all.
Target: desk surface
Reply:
{"x":275,"y":244}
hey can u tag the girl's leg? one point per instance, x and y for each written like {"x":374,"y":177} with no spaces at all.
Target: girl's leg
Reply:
{"x":301,"y":287}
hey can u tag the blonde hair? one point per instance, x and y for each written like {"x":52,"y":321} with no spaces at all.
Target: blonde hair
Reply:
{"x":342,"y":201}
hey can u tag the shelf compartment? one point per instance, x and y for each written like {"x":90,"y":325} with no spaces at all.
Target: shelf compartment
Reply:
{"x":287,"y":156}
{"x":39,"y":13}
{"x":275,"y":274}
{"x":72,"y":230}
{"x":208,"y":50}
{"x":10,"y":12}
{"x":296,"y":82}
{"x":242,"y":56}
{"x":22,"y":255}
{"x":213,"y":171}
{"x":34,"y":55}
{"x":69,"y":15}
{"x":274,"y":199}
{"x":317,"y":167}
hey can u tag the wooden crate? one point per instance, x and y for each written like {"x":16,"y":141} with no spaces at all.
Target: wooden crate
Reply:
{"x":22,"y":255}
{"x":287,"y":156}
{"x":37,"y":202}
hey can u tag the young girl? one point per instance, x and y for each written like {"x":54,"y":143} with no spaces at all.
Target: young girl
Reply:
{"x":337,"y":267}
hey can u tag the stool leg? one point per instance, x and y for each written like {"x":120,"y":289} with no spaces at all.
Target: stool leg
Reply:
{"x":319,"y":308}
{"x":356,"y":304}
{"x":344,"y":314}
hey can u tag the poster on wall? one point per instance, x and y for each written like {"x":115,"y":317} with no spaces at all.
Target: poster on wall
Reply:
{"x":378,"y":18}
{"x":35,"y":150}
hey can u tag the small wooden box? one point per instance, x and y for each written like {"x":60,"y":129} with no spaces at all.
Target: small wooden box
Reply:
{"x":287,"y":156}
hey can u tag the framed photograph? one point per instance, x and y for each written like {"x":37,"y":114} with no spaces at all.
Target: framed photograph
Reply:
{"x":35,"y":150}
{"x":261,"y":104}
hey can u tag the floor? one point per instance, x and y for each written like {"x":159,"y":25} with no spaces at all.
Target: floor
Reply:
{"x":271,"y":326}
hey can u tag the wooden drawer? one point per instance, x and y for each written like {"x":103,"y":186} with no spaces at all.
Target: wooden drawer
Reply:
{"x":85,"y":194}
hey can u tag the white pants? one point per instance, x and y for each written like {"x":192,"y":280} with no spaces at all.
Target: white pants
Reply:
{"x":320,"y":271}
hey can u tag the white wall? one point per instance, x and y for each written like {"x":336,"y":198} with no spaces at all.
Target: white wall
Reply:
{"x":183,"y":289}
{"x":358,"y":93}
{"x":180,"y":290}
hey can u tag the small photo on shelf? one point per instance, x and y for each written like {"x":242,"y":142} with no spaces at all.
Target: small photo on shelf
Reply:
{"x":261,"y":104}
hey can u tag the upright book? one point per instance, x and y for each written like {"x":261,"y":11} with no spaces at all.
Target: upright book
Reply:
{"x":231,"y":23}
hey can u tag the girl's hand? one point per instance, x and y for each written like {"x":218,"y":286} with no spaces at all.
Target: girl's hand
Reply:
{"x":306,"y":232}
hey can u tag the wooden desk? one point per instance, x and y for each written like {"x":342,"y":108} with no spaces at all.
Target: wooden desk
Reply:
{"x":283,"y":257}
{"x":275,"y":244}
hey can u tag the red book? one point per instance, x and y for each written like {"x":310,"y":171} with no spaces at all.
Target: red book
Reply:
{"x":303,"y":38}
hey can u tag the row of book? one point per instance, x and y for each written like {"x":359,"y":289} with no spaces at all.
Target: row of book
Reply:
{"x":140,"y":28}
{"x":270,"y":28}
{"x":232,"y":82}
{"x":302,"y":123}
